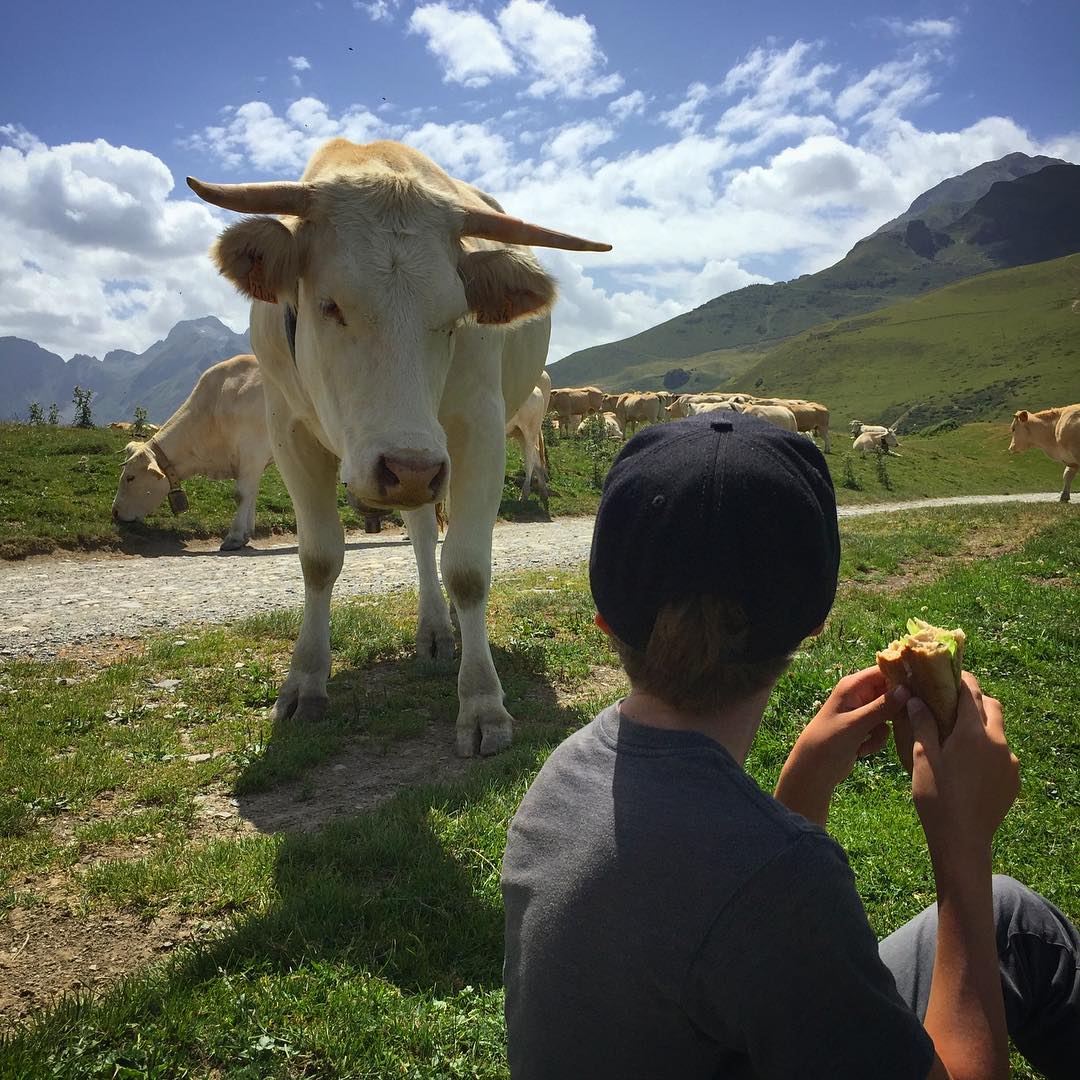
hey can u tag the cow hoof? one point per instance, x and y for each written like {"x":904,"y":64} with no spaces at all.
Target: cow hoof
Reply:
{"x":232,"y":544}
{"x":435,"y":645}
{"x":301,"y":708}
{"x":1064,"y":498}
{"x":484,"y":730}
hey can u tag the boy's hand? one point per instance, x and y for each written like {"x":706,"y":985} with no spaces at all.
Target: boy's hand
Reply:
{"x":962,"y":790}
{"x":853,"y":723}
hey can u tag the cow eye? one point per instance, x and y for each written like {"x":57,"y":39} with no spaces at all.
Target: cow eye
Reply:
{"x":330,"y":310}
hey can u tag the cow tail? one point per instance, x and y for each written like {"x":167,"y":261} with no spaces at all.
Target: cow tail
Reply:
{"x":441,"y":518}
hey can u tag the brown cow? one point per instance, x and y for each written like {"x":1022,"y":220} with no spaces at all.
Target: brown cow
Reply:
{"x":1054,"y":431}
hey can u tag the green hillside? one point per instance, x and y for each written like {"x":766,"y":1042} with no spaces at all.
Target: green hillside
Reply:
{"x":976,"y":350}
{"x":1026,"y":220}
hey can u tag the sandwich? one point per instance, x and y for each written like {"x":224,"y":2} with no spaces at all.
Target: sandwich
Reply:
{"x":928,"y":661}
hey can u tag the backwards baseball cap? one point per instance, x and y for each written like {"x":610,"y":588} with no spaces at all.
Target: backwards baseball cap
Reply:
{"x":721,"y":505}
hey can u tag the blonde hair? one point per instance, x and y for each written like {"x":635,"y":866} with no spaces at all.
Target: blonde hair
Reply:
{"x":694,"y":659}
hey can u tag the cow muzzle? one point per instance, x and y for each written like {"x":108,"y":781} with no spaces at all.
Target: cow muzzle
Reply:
{"x":405,"y":479}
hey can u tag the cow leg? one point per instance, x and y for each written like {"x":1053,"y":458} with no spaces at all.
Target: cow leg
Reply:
{"x":243,"y":522}
{"x":434,"y":631}
{"x":825,"y":441}
{"x":1066,"y":482}
{"x":310,"y":474}
{"x":477,"y":456}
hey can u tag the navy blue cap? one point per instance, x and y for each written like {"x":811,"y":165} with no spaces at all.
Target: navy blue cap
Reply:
{"x":723,"y":505}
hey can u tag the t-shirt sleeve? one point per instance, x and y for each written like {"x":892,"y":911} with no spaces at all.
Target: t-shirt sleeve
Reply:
{"x":789,"y":976}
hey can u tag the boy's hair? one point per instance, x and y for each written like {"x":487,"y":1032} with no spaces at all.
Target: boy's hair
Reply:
{"x":694,"y":658}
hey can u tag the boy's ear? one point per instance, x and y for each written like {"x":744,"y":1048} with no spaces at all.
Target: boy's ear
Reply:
{"x":602,"y":623}
{"x":815,"y":632}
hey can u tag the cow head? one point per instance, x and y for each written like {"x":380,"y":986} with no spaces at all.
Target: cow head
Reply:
{"x":143,"y":484}
{"x":383,"y":266}
{"x":1021,"y":435}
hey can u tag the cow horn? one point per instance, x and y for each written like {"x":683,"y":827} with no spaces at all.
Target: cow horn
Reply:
{"x":276,"y":197}
{"x":490,"y":225}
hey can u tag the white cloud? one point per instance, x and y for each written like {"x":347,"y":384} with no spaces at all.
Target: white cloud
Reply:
{"x":98,"y":253}
{"x":561,"y":51}
{"x":886,"y":90}
{"x":632,"y":104}
{"x":574,"y":141}
{"x":299,"y":63}
{"x":468,"y":45}
{"x":924,"y":28}
{"x":378,"y":10}
{"x":686,"y":116}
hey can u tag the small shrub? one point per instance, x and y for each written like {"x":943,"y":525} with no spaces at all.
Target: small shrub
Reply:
{"x":850,"y":480}
{"x":54,"y":414}
{"x":598,"y":449}
{"x":883,"y":473}
{"x":83,"y":416}
{"x":139,"y":428}
{"x":34,"y":416}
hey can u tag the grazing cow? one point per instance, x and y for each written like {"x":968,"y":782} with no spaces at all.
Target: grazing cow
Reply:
{"x":780,"y":415}
{"x":858,"y":427}
{"x":526,"y":428}
{"x":219,"y":432}
{"x":696,"y":408}
{"x":1056,"y":432}
{"x":121,"y":425}
{"x":608,"y":421}
{"x":634,"y":409}
{"x":873,"y":441}
{"x":610,"y":402}
{"x":570,"y":404}
{"x":398,"y":318}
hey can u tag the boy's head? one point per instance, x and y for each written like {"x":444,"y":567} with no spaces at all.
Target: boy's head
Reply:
{"x":715,"y":553}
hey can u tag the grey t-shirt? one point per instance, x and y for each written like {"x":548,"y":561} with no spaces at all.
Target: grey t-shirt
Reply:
{"x":667,"y":918}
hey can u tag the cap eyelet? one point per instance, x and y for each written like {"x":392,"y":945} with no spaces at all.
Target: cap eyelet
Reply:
{"x":721,"y":425}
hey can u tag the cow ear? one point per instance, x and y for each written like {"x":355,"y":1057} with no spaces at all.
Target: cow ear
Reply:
{"x":504,"y":285}
{"x":1022,"y":416}
{"x":260,"y":256}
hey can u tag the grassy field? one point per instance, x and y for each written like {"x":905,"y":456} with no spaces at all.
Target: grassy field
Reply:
{"x":57,"y":485}
{"x":977,"y":350}
{"x":142,"y":797}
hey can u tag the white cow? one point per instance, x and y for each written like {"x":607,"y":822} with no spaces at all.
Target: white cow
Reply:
{"x":396,"y":330}
{"x":526,"y":428}
{"x":609,"y":422}
{"x":696,"y":408}
{"x":779,"y":415}
{"x":219,"y":432}
{"x":1054,"y":431}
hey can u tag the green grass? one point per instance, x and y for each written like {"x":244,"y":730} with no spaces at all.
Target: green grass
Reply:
{"x":372,"y":946}
{"x":57,"y":485}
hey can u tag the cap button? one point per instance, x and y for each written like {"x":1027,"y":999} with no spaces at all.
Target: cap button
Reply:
{"x":721,"y":425}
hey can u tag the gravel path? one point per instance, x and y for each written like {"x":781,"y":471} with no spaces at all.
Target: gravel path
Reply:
{"x":49,"y":602}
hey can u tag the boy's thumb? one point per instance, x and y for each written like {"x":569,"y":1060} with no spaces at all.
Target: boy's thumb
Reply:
{"x":923,"y":725}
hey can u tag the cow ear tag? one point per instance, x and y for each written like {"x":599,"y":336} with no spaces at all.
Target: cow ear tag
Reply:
{"x":257,"y":286}
{"x":178,"y":501}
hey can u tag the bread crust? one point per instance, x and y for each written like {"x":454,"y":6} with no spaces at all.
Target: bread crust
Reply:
{"x":925,"y":665}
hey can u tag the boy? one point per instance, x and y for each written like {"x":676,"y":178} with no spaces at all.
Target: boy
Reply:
{"x":667,"y":918}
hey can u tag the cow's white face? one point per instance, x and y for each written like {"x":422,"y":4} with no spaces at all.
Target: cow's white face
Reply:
{"x":376,"y":318}
{"x":1021,"y":436}
{"x":143,"y":486}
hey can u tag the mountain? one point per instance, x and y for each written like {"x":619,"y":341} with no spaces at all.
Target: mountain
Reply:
{"x":975,"y":350}
{"x":970,"y":224}
{"x":158,"y":379}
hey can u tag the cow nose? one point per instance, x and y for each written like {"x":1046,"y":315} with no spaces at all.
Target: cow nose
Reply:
{"x":410,"y":479}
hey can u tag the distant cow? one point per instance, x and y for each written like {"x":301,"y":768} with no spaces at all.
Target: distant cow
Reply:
{"x":858,"y":427}
{"x":575,"y":402}
{"x":525,"y":427}
{"x":609,"y":422}
{"x":634,"y":409}
{"x":220,"y":432}
{"x":780,"y":415}
{"x":1054,"y":431}
{"x":696,"y":408}
{"x":870,"y":442}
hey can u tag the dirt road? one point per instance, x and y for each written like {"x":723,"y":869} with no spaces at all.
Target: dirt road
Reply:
{"x":51,"y":601}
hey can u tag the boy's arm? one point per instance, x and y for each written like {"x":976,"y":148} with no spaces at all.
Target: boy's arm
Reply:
{"x":853,"y":723}
{"x":962,"y":792}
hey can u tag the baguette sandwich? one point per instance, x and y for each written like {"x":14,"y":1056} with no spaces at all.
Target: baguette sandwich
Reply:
{"x":928,"y":661}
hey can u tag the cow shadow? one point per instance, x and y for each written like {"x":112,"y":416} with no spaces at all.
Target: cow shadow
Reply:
{"x":368,"y":872}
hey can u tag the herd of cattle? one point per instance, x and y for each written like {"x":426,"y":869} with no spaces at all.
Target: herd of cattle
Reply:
{"x":398,"y":318}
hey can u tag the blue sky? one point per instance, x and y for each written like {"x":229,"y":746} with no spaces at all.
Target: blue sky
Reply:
{"x":714,"y":144}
